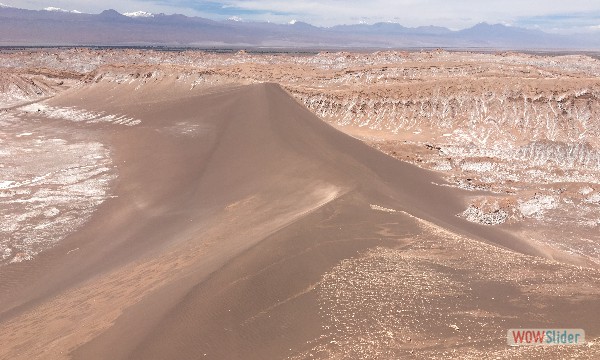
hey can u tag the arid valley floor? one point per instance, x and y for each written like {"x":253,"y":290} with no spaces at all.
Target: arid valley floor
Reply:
{"x":387,"y":205}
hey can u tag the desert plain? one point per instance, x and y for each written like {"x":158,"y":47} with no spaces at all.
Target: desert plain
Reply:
{"x":332,"y":205}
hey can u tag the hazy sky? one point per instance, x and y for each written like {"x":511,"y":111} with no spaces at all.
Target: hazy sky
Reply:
{"x":548,"y":15}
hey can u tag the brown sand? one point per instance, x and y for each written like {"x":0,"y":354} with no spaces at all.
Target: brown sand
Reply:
{"x":216,"y":243}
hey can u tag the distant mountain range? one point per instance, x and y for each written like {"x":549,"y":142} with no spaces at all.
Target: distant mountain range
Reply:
{"x":56,"y":27}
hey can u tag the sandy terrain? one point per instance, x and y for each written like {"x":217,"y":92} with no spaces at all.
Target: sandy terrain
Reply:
{"x":162,"y":205}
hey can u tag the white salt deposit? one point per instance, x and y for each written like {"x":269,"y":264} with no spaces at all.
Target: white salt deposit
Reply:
{"x":536,"y":206}
{"x":50,"y":185}
{"x":593,"y":199}
{"x":77,"y":115}
{"x":6,"y":184}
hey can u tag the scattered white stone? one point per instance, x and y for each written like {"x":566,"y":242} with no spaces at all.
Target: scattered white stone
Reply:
{"x":476,"y":215}
{"x":443,"y":166}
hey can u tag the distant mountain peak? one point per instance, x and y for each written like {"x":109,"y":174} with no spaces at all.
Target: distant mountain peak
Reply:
{"x":300,"y":24}
{"x":498,"y":26}
{"x":141,"y":27}
{"x":139,"y":14}
{"x":111,"y":13}
{"x":485,"y":28}
{"x":487,"y":25}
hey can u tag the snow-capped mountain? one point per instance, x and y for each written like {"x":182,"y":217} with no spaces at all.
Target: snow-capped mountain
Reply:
{"x":139,"y":14}
{"x":57,"y":26}
{"x":55,"y":9}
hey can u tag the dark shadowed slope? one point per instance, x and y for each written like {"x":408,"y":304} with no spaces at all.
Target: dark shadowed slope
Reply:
{"x":228,"y":208}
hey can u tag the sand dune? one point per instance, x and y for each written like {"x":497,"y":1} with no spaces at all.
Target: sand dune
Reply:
{"x":230,"y":208}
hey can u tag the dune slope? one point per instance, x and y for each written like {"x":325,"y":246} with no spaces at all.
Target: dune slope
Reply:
{"x":229,"y":209}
